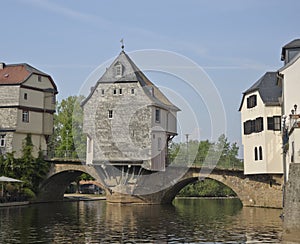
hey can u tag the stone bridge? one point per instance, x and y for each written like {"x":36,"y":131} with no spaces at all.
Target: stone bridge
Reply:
{"x":60,"y":176}
{"x":252,"y":190}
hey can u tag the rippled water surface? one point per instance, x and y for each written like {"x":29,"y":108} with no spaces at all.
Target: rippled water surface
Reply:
{"x":186,"y":221}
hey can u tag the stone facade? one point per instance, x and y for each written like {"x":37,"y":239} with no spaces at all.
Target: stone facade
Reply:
{"x":292,"y":201}
{"x":127,"y":119}
{"x":27,"y":104}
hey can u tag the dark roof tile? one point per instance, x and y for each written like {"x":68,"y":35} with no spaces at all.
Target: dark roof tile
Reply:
{"x":268,"y":89}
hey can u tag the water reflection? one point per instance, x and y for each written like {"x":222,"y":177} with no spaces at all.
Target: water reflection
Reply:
{"x":192,"y":221}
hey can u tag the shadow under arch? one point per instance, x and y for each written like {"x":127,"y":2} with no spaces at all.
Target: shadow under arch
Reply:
{"x":54,"y":187}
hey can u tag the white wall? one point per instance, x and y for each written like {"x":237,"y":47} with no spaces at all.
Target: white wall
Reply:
{"x":269,"y":140}
{"x":291,"y":86}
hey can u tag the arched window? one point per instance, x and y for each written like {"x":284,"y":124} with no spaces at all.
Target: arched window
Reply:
{"x":255,"y":154}
{"x":260,"y":153}
{"x":118,"y":69}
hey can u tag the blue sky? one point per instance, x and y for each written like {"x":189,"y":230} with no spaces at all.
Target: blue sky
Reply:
{"x":235,"y":42}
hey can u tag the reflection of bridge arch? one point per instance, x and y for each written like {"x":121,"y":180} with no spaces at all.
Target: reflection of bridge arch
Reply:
{"x":60,"y":176}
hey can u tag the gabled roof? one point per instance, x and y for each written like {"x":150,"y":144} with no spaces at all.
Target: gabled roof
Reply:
{"x":267,"y":88}
{"x":293,"y":44}
{"x":16,"y":74}
{"x":131,"y":73}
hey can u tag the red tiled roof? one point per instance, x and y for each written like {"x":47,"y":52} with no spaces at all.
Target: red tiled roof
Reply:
{"x":13,"y":74}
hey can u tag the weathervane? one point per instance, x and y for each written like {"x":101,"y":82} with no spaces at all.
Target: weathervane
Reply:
{"x":122,"y":41}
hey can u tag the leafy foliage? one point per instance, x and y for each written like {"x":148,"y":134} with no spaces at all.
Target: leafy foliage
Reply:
{"x":68,"y":139}
{"x":205,"y":153}
{"x":32,"y":171}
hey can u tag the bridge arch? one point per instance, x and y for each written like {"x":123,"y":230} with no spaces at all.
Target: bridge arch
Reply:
{"x":172,"y":192}
{"x":59,"y":178}
{"x":252,"y":190}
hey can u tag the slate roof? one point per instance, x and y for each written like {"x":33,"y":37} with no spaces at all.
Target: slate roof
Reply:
{"x":16,"y":74}
{"x":293,"y":44}
{"x":131,"y":73}
{"x":268,"y":89}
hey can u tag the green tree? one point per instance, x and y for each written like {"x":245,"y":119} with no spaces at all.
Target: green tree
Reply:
{"x":68,"y":139}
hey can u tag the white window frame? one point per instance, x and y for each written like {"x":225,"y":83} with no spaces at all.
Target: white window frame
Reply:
{"x":25,"y":116}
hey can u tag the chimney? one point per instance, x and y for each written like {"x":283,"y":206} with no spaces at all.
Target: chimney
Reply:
{"x":2,"y":65}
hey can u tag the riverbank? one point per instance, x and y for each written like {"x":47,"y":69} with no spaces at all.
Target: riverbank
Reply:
{"x":227,"y":197}
{"x":67,"y":198}
{"x":12,"y":204}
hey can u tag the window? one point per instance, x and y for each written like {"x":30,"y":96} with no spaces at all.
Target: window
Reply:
{"x":277,"y":123}
{"x":251,"y":126}
{"x":110,"y":114}
{"x":247,"y":127}
{"x":120,"y":91}
{"x":102,"y":91}
{"x":132,"y":90}
{"x":39,"y":78}
{"x":255,"y":154}
{"x":115,"y":91}
{"x":53,"y":99}
{"x":251,"y":101}
{"x":25,"y":96}
{"x":2,"y":140}
{"x":25,"y":116}
{"x":118,"y":69}
{"x":274,"y":123}
{"x":159,"y":144}
{"x":157,"y":115}
{"x":259,"y":124}
{"x":270,"y":123}
{"x":260,"y":153}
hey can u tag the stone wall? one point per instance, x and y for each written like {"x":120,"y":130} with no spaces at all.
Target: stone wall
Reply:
{"x":292,"y":201}
{"x":9,"y":95}
{"x":126,"y":136}
{"x":8,"y":118}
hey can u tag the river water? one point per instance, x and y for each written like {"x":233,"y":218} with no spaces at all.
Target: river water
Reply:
{"x":186,"y":221}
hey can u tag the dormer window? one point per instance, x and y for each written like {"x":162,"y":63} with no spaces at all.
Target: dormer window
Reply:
{"x":118,"y":69}
{"x":251,"y":101}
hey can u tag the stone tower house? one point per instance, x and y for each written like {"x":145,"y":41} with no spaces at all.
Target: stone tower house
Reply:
{"x":127,"y":119}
